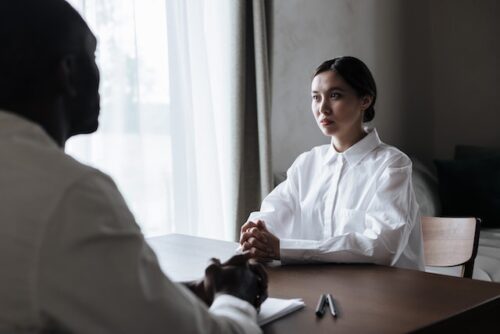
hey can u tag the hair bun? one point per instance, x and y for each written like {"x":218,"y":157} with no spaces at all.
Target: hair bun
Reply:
{"x":369,"y":114}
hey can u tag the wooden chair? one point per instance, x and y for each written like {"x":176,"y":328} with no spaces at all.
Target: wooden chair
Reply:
{"x":450,"y":242}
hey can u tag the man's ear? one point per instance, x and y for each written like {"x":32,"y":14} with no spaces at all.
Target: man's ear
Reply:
{"x":66,"y":75}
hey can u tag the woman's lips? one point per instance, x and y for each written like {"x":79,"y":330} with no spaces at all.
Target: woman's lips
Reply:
{"x":325,"y":122}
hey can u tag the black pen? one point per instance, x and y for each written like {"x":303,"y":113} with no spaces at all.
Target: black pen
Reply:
{"x":320,"y":309}
{"x":331,"y":305}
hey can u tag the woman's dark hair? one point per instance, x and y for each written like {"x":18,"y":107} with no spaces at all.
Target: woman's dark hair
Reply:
{"x":357,"y":75}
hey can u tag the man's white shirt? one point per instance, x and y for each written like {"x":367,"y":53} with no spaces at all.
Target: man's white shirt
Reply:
{"x":73,"y":259}
{"x":355,"y":207}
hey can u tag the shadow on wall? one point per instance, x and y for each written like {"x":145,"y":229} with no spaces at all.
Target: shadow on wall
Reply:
{"x":466,"y":72}
{"x":440,"y":62}
{"x":416,"y":74}
{"x":403,"y":57}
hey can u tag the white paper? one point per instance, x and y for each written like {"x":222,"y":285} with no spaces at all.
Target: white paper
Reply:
{"x":274,"y":308}
{"x":184,"y":258}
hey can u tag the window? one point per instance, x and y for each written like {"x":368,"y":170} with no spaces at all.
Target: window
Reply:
{"x":133,"y":141}
{"x":164,"y":145}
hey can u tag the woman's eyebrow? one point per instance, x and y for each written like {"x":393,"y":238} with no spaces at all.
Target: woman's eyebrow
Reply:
{"x":330,"y":89}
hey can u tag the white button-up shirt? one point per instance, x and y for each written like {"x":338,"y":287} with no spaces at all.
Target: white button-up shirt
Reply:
{"x":355,"y":206}
{"x":73,"y":259}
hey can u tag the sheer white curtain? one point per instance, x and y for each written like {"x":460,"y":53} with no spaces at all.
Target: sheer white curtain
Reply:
{"x":164,"y":124}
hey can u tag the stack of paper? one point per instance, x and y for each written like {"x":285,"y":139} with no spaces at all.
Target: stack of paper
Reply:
{"x":274,"y":308}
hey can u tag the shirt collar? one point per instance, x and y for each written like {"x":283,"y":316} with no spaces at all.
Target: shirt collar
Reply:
{"x":356,"y":152}
{"x":11,"y":123}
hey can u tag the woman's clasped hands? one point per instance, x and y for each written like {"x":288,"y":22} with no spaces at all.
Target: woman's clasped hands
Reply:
{"x":259,"y":242}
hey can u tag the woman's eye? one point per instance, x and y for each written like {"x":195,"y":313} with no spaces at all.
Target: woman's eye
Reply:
{"x":335,"y":96}
{"x":315,"y":97}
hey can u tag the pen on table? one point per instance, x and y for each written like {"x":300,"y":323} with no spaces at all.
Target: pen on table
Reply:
{"x":331,"y":305}
{"x":320,"y":309}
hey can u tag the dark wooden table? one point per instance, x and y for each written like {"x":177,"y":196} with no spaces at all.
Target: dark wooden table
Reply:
{"x":377,"y":299}
{"x":369,"y":298}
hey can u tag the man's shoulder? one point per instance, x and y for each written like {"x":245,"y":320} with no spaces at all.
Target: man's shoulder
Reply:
{"x":37,"y":173}
{"x":55,"y":166}
{"x":32,"y":158}
{"x":73,"y":176}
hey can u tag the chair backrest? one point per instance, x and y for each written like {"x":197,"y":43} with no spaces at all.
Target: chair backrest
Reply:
{"x":450,"y":242}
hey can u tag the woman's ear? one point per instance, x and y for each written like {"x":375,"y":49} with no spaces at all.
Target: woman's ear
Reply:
{"x":66,"y":75}
{"x":366,"y":101}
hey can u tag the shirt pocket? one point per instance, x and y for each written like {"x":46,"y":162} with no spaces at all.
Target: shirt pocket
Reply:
{"x":349,"y":221}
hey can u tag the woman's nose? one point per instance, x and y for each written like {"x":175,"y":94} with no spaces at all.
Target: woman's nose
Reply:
{"x":324,"y":108}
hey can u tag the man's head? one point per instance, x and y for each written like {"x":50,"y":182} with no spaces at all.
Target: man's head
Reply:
{"x":47,"y":66}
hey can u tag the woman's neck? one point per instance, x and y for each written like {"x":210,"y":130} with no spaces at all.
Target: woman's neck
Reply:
{"x":342,"y":142}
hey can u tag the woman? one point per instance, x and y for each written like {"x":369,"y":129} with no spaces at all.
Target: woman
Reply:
{"x":350,"y":201}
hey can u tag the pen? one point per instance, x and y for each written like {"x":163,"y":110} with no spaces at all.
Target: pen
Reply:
{"x":331,"y":305}
{"x":320,"y":309}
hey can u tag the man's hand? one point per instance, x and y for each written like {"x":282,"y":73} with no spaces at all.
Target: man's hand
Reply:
{"x":200,"y":289}
{"x":256,"y":239}
{"x":238,"y":276}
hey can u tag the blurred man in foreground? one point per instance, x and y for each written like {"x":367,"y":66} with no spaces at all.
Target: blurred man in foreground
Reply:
{"x":73,"y":259}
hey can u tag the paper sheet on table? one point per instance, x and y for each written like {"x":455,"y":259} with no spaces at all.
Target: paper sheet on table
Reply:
{"x":196,"y":253}
{"x":274,"y":308}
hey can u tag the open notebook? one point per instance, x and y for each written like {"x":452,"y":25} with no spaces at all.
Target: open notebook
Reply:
{"x":274,"y":308}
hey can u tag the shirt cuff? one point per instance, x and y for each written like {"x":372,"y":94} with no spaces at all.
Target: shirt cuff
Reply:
{"x":292,"y":250}
{"x":256,"y":215}
{"x":231,"y":307}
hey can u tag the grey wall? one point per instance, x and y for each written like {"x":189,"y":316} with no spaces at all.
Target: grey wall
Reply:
{"x":435,"y":63}
{"x":466,"y":73}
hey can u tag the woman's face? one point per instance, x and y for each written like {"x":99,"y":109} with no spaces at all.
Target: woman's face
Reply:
{"x":336,"y":106}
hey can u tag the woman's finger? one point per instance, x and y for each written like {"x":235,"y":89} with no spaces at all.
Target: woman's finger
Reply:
{"x":257,"y":253}
{"x":245,"y":236}
{"x":247,"y":225}
{"x":254,"y":242}
{"x":256,"y":233}
{"x":261,"y":225}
